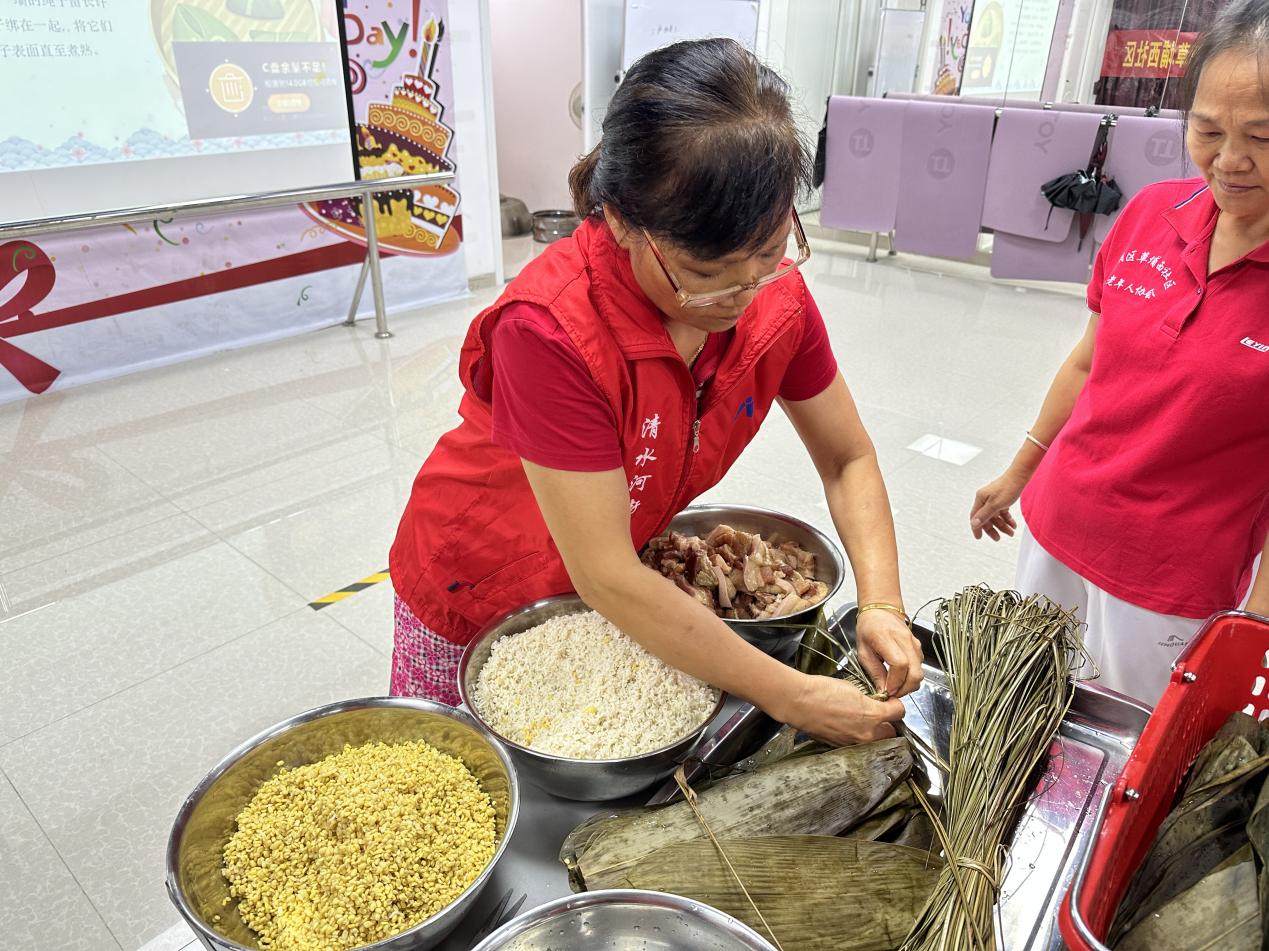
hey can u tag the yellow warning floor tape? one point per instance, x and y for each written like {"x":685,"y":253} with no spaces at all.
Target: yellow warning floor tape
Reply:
{"x":336,"y":596}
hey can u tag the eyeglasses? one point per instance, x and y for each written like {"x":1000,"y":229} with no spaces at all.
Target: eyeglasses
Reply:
{"x":706,"y":298}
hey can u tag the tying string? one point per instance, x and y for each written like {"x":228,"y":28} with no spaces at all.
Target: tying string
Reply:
{"x":951,"y":858}
{"x":993,"y":879}
{"x":689,"y":795}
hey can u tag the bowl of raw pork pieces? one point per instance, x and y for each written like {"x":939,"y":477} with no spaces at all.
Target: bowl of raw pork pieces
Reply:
{"x":767,"y":574}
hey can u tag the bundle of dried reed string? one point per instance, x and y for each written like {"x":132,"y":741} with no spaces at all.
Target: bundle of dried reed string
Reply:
{"x":1009,"y":662}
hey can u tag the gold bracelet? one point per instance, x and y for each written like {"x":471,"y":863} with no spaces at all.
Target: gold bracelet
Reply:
{"x":886,"y":606}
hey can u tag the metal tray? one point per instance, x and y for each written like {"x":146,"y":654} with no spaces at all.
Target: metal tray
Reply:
{"x":1054,"y":829}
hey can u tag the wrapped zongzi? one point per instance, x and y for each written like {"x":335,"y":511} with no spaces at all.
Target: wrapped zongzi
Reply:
{"x":814,"y":794}
{"x":816,"y":893}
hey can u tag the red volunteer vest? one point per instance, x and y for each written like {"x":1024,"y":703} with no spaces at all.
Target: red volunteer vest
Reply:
{"x":472,"y":544}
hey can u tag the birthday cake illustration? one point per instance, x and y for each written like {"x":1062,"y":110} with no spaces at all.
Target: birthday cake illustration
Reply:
{"x":405,"y":135}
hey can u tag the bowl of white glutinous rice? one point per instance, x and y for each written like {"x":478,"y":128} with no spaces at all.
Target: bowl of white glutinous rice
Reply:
{"x":584,"y":710}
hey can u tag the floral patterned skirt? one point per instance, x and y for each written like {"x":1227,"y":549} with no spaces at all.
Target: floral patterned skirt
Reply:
{"x":424,"y":664}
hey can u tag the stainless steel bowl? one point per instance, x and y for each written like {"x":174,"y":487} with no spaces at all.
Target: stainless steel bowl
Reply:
{"x":207,"y":817}
{"x":551,"y":225}
{"x":774,"y":527}
{"x":620,"y":919}
{"x":584,"y":779}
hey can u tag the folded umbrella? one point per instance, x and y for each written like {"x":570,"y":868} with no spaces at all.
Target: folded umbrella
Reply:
{"x":1087,"y":191}
{"x":1079,"y":192}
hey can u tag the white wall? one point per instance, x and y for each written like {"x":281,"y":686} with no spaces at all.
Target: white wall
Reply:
{"x":602,"y":24}
{"x":478,"y":176}
{"x":808,"y":46}
{"x":537,"y":66}
{"x":1082,"y":64}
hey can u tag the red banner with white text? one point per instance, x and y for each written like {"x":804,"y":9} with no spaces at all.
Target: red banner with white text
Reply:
{"x":1147,"y":54}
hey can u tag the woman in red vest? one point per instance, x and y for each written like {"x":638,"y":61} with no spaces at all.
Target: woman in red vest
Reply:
{"x":620,"y":376}
{"x":1145,"y":479}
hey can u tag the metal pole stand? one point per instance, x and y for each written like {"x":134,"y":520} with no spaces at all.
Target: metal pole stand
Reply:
{"x":361,"y":286}
{"x":372,"y":257}
{"x":873,"y":240}
{"x":371,"y":266}
{"x":892,"y":252}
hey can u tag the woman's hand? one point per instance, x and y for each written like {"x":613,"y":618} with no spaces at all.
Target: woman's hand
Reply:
{"x":990,"y":514}
{"x":886,"y":642}
{"x":837,"y":713}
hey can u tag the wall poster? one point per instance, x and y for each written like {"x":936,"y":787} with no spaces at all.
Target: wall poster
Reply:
{"x":87,"y":305}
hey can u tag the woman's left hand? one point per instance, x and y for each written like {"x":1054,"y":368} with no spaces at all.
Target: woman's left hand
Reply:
{"x":884,"y":641}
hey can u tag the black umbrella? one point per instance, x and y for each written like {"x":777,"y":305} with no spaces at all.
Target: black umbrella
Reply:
{"x":821,"y":150}
{"x":1087,"y":191}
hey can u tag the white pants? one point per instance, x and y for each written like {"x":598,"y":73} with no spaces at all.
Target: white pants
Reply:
{"x":1132,"y":647}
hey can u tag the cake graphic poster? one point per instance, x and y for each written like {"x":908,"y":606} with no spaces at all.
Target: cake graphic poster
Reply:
{"x":398,"y":71}
{"x":953,"y":39}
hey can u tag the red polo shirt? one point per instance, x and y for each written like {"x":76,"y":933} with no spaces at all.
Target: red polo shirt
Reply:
{"x":1157,"y":488}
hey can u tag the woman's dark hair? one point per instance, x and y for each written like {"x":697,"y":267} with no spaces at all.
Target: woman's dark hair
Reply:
{"x":699,"y":147}
{"x":1243,"y":25}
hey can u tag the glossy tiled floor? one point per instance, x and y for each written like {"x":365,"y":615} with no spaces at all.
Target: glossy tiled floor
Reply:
{"x":163,"y":533}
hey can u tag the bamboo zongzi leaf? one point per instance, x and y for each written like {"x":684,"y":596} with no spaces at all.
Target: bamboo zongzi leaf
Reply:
{"x":817,"y":650}
{"x":1203,"y":831}
{"x":817,"y":893}
{"x":1258,"y":834}
{"x":1219,"y":913}
{"x":1225,"y":752}
{"x":892,"y":813}
{"x":918,"y":833}
{"x":1231,"y":757}
{"x":818,"y":794}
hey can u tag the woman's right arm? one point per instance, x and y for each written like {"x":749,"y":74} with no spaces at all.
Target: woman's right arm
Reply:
{"x":990,"y":515}
{"x":587,"y":514}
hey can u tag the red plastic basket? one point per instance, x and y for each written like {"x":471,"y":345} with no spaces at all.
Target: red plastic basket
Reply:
{"x":1225,"y":668}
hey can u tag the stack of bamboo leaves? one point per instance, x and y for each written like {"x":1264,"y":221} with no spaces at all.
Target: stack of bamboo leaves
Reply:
{"x":810,"y":832}
{"x":1205,"y":881}
{"x":1009,"y":662}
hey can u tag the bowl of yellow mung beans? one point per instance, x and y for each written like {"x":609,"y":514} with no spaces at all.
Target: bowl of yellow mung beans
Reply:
{"x":365,"y":824}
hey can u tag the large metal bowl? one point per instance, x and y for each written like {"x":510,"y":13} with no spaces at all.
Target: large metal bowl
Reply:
{"x":584,"y":779}
{"x":619,"y":919}
{"x":774,"y":527}
{"x":207,"y":817}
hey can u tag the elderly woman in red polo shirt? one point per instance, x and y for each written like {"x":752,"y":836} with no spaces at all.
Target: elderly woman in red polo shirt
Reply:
{"x":621,"y":375}
{"x":1145,"y":479}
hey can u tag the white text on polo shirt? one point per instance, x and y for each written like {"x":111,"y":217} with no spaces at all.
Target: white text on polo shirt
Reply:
{"x":1117,"y":283}
{"x":1154,"y":261}
{"x":1255,"y":344}
{"x":1138,"y":288}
